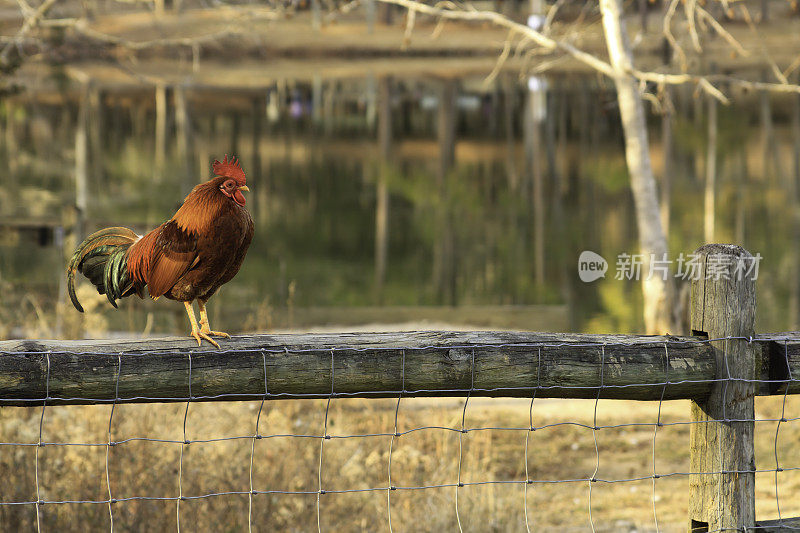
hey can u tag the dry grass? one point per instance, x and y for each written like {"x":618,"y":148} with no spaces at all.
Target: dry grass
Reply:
{"x":424,"y":457}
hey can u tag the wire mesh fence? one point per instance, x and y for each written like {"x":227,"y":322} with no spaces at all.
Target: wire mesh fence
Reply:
{"x":400,"y":459}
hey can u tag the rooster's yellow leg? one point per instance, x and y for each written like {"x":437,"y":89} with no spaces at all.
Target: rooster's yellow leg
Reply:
{"x":204,"y":325}
{"x":197,"y":333}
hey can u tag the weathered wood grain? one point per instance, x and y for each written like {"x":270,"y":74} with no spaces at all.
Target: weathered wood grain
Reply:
{"x":506,"y":364}
{"x":722,"y":458}
{"x":436,"y":364}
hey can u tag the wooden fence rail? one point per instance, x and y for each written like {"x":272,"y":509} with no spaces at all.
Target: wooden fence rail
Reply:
{"x":555,"y":365}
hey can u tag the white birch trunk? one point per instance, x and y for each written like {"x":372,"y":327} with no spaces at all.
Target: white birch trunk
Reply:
{"x":161,"y":133}
{"x":82,"y":164}
{"x":711,"y":171}
{"x":652,"y":240}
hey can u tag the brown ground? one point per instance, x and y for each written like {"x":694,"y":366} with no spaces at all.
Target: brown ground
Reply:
{"x":428,"y":456}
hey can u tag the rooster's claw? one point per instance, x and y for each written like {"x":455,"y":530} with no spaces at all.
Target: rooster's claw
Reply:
{"x":199,"y":335}
{"x":214,"y":333}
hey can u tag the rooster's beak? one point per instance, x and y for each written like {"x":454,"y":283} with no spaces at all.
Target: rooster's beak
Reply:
{"x":244,"y":188}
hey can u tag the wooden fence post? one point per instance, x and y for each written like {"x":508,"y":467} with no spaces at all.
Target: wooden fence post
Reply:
{"x":722,"y":487}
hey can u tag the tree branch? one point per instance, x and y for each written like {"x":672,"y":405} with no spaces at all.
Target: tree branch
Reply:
{"x":31,"y":21}
{"x":706,"y":83}
{"x":455,"y":13}
{"x":736,"y":45}
{"x":501,"y":59}
{"x":689,"y":8}
{"x":670,"y":37}
{"x":767,"y":57}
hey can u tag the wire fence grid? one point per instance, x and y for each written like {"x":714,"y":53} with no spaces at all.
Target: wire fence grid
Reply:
{"x":317,"y":485}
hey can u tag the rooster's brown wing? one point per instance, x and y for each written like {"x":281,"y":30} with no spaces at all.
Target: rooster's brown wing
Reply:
{"x":174,"y":253}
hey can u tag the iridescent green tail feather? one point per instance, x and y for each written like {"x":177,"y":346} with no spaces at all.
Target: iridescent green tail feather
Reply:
{"x":103,"y":258}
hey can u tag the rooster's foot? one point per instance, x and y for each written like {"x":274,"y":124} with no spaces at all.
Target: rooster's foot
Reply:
{"x":199,"y":335}
{"x":210,"y":333}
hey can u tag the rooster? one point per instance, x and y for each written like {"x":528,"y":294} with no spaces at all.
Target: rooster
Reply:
{"x":186,"y":258}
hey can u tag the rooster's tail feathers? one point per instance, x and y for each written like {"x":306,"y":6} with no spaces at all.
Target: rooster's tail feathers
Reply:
{"x":102,"y":258}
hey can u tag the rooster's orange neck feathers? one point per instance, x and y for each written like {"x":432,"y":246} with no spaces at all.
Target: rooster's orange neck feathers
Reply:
{"x":201,"y":207}
{"x":203,"y":204}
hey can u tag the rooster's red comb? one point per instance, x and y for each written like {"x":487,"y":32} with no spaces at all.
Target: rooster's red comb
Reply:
{"x":229,"y":169}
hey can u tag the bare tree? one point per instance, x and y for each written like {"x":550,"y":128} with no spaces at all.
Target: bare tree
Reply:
{"x":657,"y":289}
{"x":660,"y":309}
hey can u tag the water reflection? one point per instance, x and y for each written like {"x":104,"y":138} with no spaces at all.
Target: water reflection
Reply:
{"x":373,"y":193}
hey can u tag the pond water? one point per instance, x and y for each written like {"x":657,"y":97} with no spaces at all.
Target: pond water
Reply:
{"x":464,"y":200}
